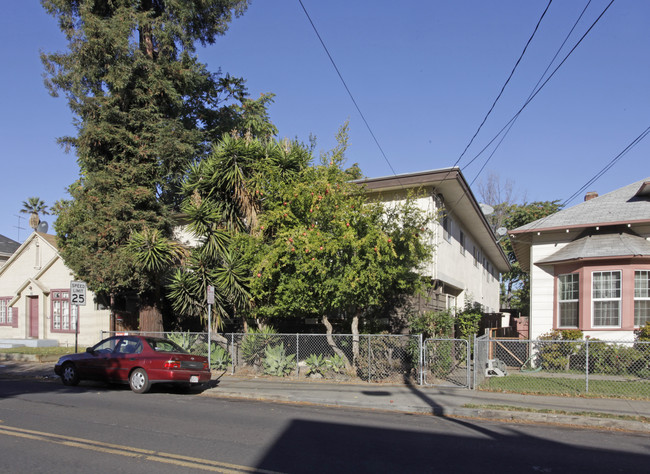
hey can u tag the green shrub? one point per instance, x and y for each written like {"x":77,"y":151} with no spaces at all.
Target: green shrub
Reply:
{"x":558,"y":354}
{"x":277,"y":362}
{"x":189,"y":342}
{"x":219,"y":357}
{"x":316,"y":364}
{"x":335,"y":364}
{"x":254,"y":343}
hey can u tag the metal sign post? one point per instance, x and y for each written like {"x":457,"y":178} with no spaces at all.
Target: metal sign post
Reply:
{"x":210,"y":298}
{"x":77,"y":298}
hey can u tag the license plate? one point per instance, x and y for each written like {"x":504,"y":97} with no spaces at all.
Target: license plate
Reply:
{"x":194,"y":379}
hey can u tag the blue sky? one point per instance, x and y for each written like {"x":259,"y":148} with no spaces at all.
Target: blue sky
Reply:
{"x":424,"y":74}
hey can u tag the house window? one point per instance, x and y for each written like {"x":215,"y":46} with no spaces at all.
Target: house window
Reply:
{"x":462,"y":242}
{"x":64,"y":315}
{"x":568,"y":295}
{"x":606,"y":296}
{"x":641,"y":297}
{"x":446,"y":226}
{"x":6,"y":315}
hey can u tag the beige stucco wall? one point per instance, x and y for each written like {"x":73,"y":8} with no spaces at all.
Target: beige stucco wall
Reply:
{"x":475,"y":283}
{"x":34,"y":271}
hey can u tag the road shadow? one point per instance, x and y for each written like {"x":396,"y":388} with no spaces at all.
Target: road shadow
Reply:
{"x":313,"y":447}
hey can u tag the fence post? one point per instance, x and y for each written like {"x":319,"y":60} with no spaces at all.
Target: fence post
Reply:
{"x":369,"y":368}
{"x":421,"y":362}
{"x":232,"y":353}
{"x":298,"y":354}
{"x":467,"y":359}
{"x":587,"y":367}
{"x":474,"y":364}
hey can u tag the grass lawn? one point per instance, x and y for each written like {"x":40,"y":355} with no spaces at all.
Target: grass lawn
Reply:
{"x":56,"y":351}
{"x":568,"y":386}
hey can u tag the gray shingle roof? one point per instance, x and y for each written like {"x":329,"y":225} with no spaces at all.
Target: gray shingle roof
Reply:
{"x":625,"y":204}
{"x":620,"y":243}
{"x":8,"y":246}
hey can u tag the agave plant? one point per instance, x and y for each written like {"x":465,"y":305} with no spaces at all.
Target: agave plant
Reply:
{"x":277,"y":362}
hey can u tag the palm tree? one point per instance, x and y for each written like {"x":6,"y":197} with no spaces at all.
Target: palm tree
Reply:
{"x":34,"y":206}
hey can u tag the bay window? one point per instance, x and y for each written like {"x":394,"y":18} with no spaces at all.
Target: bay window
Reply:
{"x":606,"y":298}
{"x":569,"y":295}
{"x":641,"y":297}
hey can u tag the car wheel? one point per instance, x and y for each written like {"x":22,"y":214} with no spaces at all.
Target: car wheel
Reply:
{"x":70,"y":375}
{"x":139,"y":381}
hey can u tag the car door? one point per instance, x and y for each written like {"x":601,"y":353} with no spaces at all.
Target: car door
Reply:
{"x":96,"y":365}
{"x":128,"y":354}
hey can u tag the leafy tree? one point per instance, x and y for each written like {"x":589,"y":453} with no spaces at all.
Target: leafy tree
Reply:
{"x":34,"y":206}
{"x":223,"y":196}
{"x":515,"y":292}
{"x":323,"y":250}
{"x":145,"y":108}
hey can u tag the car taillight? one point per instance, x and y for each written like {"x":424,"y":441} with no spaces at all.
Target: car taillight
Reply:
{"x":205,"y":366}
{"x":173,"y":364}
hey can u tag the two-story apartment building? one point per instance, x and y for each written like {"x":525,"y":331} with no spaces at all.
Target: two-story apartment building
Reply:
{"x":467,"y":260}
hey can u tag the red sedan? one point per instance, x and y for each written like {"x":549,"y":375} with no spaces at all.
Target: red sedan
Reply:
{"x":137,"y":360}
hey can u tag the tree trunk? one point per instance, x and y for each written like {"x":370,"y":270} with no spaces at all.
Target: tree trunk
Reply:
{"x":150,"y":319}
{"x":355,"y":338}
{"x":335,"y":348}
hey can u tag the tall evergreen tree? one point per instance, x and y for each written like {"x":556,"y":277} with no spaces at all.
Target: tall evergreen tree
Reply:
{"x":145,"y":108}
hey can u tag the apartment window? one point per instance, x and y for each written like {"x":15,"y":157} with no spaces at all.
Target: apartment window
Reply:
{"x":641,"y":297}
{"x":64,"y":315}
{"x":6,"y":315}
{"x":568,"y":296}
{"x":462,"y":242}
{"x":606,"y":297}
{"x":446,"y":226}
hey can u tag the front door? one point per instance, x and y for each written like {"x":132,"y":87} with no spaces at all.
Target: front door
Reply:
{"x":32,"y":304}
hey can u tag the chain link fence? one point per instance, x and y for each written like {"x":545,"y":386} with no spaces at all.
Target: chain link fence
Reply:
{"x":566,"y":367}
{"x":447,"y":362}
{"x":366,"y":357}
{"x":551,"y":367}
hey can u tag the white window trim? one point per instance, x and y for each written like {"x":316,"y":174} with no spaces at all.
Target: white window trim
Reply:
{"x":560,"y":300}
{"x":639,"y":298}
{"x":619,"y":299}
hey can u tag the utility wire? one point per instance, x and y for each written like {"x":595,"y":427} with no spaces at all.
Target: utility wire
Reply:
{"x":529,"y":100}
{"x":557,"y":53}
{"x":347,"y":88}
{"x":495,"y":101}
{"x":505,"y":84}
{"x":608,"y":166}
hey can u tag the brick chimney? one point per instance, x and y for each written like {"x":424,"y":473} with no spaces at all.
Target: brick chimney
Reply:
{"x":590,"y":195}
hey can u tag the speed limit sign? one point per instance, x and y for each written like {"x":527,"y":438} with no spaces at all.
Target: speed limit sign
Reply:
{"x":78,"y":293}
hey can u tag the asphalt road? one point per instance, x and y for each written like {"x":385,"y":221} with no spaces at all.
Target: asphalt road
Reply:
{"x":46,"y":427}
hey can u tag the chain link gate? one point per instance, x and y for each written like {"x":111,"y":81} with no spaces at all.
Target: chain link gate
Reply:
{"x":446,"y":362}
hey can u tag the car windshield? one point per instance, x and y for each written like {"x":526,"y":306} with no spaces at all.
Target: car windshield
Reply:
{"x":164,"y":345}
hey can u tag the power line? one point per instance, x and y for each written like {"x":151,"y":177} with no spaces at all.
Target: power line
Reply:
{"x":347,"y":88}
{"x":557,"y":53}
{"x":505,"y":84}
{"x":608,"y":166}
{"x":495,"y":101}
{"x":529,"y":100}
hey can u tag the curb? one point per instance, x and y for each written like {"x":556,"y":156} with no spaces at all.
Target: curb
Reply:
{"x":467,"y":413}
{"x":29,"y":357}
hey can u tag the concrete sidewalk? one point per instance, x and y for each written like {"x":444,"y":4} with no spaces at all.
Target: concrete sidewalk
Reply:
{"x":602,"y":413}
{"x":453,"y":402}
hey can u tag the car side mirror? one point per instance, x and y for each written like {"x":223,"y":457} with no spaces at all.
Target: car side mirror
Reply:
{"x":90,"y":350}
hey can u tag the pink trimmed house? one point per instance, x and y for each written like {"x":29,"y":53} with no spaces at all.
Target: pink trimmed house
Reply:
{"x":589,"y":265}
